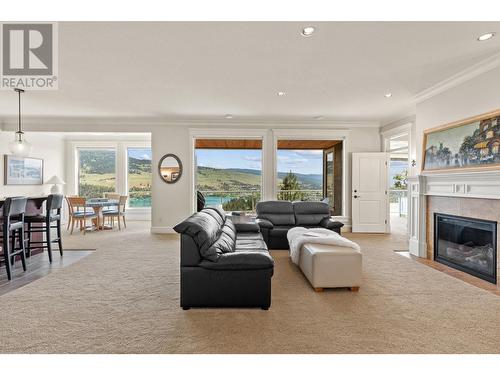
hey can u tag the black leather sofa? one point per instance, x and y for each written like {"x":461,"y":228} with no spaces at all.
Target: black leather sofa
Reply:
{"x":223,"y":264}
{"x":275,"y":218}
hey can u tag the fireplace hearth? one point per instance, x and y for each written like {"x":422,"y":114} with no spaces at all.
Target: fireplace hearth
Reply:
{"x":467,"y":244}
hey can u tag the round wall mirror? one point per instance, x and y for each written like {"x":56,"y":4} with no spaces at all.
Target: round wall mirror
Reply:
{"x":170,"y":168}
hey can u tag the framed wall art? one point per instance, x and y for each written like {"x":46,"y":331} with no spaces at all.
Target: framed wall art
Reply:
{"x":19,"y":170}
{"x":473,"y":143}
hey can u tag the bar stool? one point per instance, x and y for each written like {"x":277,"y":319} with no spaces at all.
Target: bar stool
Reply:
{"x":44,"y":221}
{"x":13,"y":222}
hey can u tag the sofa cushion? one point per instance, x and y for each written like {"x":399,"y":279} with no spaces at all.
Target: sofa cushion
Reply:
{"x":248,"y":236}
{"x":250,"y":245}
{"x":277,"y":212}
{"x":229,"y":229}
{"x":280,"y":231}
{"x":204,"y":227}
{"x":217,"y":213}
{"x":241,"y":261}
{"x":224,"y":244}
{"x":310,"y":213}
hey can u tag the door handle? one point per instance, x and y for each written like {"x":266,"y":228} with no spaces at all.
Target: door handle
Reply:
{"x":357,"y":196}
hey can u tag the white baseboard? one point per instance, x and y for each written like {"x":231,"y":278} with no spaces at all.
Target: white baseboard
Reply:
{"x":163,"y":230}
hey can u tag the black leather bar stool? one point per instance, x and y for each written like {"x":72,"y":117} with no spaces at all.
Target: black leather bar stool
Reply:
{"x":13,"y":222}
{"x":44,"y":224}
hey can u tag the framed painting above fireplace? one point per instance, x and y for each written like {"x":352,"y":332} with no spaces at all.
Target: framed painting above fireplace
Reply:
{"x":473,"y":143}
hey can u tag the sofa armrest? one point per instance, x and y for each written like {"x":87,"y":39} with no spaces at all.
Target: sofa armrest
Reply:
{"x":246,"y":227}
{"x":328,"y":223}
{"x":243,"y":260}
{"x":263,"y":223}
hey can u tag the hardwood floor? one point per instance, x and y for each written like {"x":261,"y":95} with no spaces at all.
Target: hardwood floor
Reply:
{"x":495,"y":289}
{"x":38,"y":267}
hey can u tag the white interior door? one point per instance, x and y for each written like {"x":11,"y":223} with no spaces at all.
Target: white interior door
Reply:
{"x":370,"y":201}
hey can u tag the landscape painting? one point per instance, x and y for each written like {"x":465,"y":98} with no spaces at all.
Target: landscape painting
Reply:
{"x":23,"y":171}
{"x":472,"y":143}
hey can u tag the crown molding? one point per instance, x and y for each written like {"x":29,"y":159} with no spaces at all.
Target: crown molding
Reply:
{"x":475,"y":70}
{"x":142,"y":124}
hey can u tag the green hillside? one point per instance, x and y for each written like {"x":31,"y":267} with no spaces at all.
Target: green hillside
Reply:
{"x":210,"y":179}
{"x":227,"y":179}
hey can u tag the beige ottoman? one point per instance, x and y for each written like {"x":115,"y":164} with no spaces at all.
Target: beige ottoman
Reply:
{"x":327,"y":266}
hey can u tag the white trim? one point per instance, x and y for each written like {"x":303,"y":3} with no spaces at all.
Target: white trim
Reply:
{"x":481,"y":184}
{"x":130,"y":124}
{"x":475,"y":70}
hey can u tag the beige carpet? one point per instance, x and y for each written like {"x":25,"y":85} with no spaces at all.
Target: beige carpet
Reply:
{"x":124,"y":298}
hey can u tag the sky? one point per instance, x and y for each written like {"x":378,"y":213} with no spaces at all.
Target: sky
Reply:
{"x":140,"y":153}
{"x":299,"y":161}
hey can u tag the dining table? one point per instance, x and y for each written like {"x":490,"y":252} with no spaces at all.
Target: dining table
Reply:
{"x":99,"y":205}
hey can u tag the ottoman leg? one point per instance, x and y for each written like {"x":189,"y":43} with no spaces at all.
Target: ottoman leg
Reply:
{"x":319,"y":290}
{"x":354,"y":288}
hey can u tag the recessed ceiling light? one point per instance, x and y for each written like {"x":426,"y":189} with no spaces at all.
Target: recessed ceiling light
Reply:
{"x":308,"y":31}
{"x":486,"y":36}
{"x":388,"y":95}
{"x":281,"y":93}
{"x":318,"y":117}
{"x":228,"y":116}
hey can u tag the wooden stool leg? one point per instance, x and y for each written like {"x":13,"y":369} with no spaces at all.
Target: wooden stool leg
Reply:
{"x":59,"y":239}
{"x":13,"y":247}
{"x":6,"y":253}
{"x":28,"y":250}
{"x":23,"y":248}
{"x":49,"y":240}
{"x":318,"y":290}
{"x":354,"y":288}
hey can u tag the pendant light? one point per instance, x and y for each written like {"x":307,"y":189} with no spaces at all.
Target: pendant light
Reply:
{"x":20,"y":146}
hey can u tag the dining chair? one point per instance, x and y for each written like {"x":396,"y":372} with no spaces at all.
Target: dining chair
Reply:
{"x":79,"y":212}
{"x":118,"y":212}
{"x":12,"y":220}
{"x":44,"y":224}
{"x":113,"y":196}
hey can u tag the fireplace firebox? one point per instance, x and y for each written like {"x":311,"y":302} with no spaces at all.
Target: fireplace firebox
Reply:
{"x":467,"y":244}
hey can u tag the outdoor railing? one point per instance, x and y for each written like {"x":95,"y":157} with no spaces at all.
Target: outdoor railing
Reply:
{"x":398,"y":202}
{"x":246,"y":200}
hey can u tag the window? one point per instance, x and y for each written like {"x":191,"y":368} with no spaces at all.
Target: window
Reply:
{"x":229,"y":177}
{"x":139,"y":176}
{"x":300,"y":175}
{"x":96,"y":171}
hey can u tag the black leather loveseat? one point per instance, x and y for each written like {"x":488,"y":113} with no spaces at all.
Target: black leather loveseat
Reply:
{"x":223,"y":264}
{"x":275,"y":218}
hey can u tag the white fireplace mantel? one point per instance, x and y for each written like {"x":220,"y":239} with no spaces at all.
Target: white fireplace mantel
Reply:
{"x":482,"y":184}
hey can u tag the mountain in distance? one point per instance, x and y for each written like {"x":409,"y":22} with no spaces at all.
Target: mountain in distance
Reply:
{"x":237,"y":179}
{"x":104,"y":161}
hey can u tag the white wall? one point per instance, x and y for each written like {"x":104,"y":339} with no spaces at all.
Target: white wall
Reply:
{"x":49,"y":147}
{"x":474,"y":97}
{"x":172,"y":202}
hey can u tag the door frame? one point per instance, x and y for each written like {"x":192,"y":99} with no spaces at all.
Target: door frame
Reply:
{"x":405,"y":129}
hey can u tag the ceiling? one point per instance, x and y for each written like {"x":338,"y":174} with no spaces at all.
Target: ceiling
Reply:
{"x":204,"y":70}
